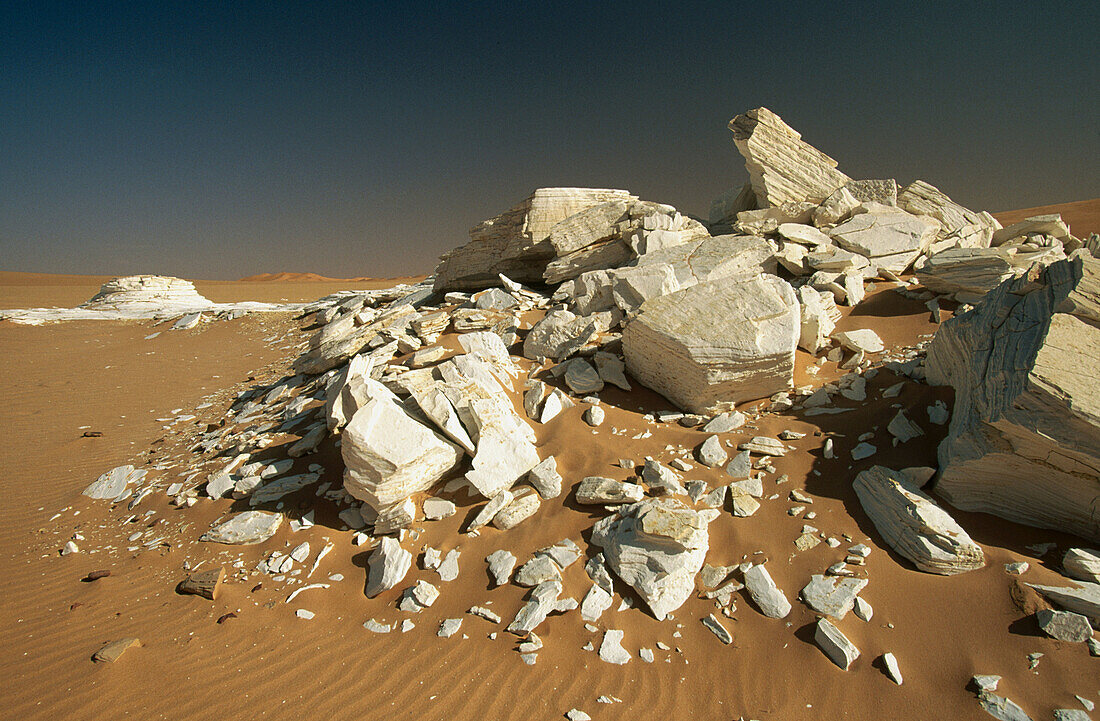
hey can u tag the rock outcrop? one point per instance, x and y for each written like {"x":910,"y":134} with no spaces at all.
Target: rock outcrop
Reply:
{"x":782,"y":167}
{"x":716,"y":344}
{"x":913,"y":525}
{"x":1024,"y":440}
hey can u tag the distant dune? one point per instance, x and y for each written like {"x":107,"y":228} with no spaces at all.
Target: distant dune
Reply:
{"x":1083,"y":216}
{"x":312,"y":277}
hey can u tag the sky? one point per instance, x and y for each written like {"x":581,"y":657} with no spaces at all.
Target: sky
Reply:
{"x":220,"y":140}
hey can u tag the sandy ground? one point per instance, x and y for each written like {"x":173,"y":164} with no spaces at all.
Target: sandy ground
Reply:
{"x":64,"y":379}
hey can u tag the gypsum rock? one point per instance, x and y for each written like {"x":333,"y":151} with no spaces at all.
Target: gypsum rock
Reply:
{"x":913,"y":525}
{"x":781,"y":166}
{"x":959,"y":226}
{"x":657,"y":546}
{"x":713,"y":345}
{"x":889,"y":240}
{"x":1024,"y":439}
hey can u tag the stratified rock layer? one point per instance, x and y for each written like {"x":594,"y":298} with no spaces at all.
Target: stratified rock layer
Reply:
{"x":716,"y":344}
{"x":1024,"y":441}
{"x":782,"y":167}
{"x":914,"y":525}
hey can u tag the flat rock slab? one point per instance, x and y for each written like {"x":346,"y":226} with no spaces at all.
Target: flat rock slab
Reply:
{"x":113,"y":483}
{"x":765,"y":594}
{"x":244,"y":529}
{"x":112,"y":651}
{"x":832,"y":596}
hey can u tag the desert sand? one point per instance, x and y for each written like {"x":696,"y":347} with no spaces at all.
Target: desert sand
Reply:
{"x":264,"y":662}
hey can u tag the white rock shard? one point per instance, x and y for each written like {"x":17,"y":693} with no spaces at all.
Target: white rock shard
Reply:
{"x":765,"y":594}
{"x":114,"y":483}
{"x":890,"y":240}
{"x":387,"y":566}
{"x":835,"y":644}
{"x":245,"y":528}
{"x":914,"y":525}
{"x":656,"y":546}
{"x":611,"y":648}
{"x":832,"y":596}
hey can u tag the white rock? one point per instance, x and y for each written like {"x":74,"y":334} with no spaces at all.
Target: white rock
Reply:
{"x":890,"y":240}
{"x":611,"y":649}
{"x":501,"y":564}
{"x":781,"y":166}
{"x":387,"y":566}
{"x":863,"y":340}
{"x":765,"y":594}
{"x":438,"y":508}
{"x":1082,"y":564}
{"x":114,"y":483}
{"x":902,"y":428}
{"x":725,"y":422}
{"x":519,"y":510}
{"x":656,"y":546}
{"x":890,"y":663}
{"x":388,"y":455}
{"x":835,"y":644}
{"x":598,"y":490}
{"x":705,"y":361}
{"x":538,"y":570}
{"x":1085,"y":599}
{"x":715,"y":626}
{"x":711,"y":452}
{"x":1024,"y":440}
{"x":914,"y":525}
{"x":832,"y":596}
{"x":545,"y":479}
{"x":595,"y":602}
{"x":449,"y":627}
{"x":245,"y":528}
{"x":594,"y":416}
{"x":539,"y":603}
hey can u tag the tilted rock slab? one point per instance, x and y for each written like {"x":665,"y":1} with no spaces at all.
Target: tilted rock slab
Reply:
{"x":387,"y":566}
{"x":959,"y":227}
{"x":966,"y":273}
{"x":1024,"y":440}
{"x":782,"y":167}
{"x":245,"y":528}
{"x":913,"y":525}
{"x":515,"y":242}
{"x":713,"y":345}
{"x":657,"y":546}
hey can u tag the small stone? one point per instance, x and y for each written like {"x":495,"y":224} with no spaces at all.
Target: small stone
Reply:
{"x":113,"y":650}
{"x":377,"y":627}
{"x":863,"y":610}
{"x":711,"y":453}
{"x":718,"y":629}
{"x":835,"y":644}
{"x":765,"y":594}
{"x":1002,"y":708}
{"x":863,"y":450}
{"x":611,"y":649}
{"x":538,"y":570}
{"x":574,"y":714}
{"x":545,"y":478}
{"x":501,"y":564}
{"x":304,"y":614}
{"x":449,"y":627}
{"x":1015,"y":569}
{"x":438,"y":508}
{"x":893,"y":671}
{"x":984,"y":683}
{"x":725,"y":422}
{"x":594,"y":416}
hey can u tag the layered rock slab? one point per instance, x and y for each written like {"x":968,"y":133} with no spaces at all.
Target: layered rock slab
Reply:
{"x":782,"y":167}
{"x":515,"y":242}
{"x":913,"y":525}
{"x":1024,"y":440}
{"x":716,"y":344}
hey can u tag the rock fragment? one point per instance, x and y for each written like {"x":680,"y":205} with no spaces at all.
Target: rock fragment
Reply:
{"x":835,"y":644}
{"x":387,"y":566}
{"x":765,"y":594}
{"x":611,"y":648}
{"x":246,"y":528}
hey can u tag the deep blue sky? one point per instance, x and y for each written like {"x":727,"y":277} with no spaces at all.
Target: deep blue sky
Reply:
{"x":221,"y":140}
